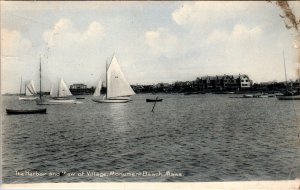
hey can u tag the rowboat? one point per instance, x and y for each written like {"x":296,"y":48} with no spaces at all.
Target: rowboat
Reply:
{"x":35,"y":111}
{"x":288,"y":97}
{"x":191,"y":93}
{"x":154,"y":100}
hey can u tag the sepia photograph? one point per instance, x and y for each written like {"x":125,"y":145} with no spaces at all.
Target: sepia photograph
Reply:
{"x":202,"y":94}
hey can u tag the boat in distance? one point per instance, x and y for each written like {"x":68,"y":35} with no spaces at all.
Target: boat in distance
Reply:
{"x":30,"y":92}
{"x":80,"y":98}
{"x":196,"y":92}
{"x":34,"y":111}
{"x":288,"y":97}
{"x":63,"y":94}
{"x":154,"y":100}
{"x":289,"y":94}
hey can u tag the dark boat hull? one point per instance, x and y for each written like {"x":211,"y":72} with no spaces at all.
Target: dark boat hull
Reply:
{"x":16,"y":112}
{"x":191,"y":93}
{"x":154,"y":100}
{"x":61,"y":98}
{"x":288,"y":97}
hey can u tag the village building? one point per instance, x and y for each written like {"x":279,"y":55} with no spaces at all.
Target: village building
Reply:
{"x":80,"y":89}
{"x":223,"y":82}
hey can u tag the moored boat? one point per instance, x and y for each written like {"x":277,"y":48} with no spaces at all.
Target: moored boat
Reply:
{"x":289,"y":96}
{"x":154,"y":100}
{"x":62,"y":93}
{"x":30,"y":92}
{"x":33,"y":111}
{"x":248,"y":96}
{"x":80,"y":98}
{"x":62,"y":97}
{"x":191,"y":93}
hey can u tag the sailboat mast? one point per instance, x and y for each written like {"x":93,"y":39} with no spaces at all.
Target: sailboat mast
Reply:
{"x":21,"y":86}
{"x":25,"y":87}
{"x":106,"y":77}
{"x":285,"y":71}
{"x":58,"y":87}
{"x":40,"y":77}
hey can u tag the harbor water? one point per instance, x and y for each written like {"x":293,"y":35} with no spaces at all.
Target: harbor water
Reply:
{"x":202,"y":137}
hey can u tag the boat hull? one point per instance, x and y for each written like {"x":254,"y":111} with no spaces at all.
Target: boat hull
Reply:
{"x":291,"y":97}
{"x":56,"y":102}
{"x":61,"y":98}
{"x":154,"y":100}
{"x":248,"y":96}
{"x":17,"y":112}
{"x":111,"y":100}
{"x":28,"y":98}
{"x":191,"y":93}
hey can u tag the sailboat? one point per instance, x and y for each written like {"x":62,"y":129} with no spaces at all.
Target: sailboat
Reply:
{"x":118,"y":89}
{"x":288,"y":94}
{"x":97,"y":92}
{"x":30,"y":91}
{"x":63,"y":92}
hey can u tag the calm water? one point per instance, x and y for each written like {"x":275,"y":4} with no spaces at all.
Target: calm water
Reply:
{"x":187,"y":138}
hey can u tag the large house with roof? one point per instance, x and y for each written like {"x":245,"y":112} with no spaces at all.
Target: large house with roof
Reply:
{"x":223,"y":82}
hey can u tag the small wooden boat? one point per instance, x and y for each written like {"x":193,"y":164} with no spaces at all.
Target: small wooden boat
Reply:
{"x":248,"y":96}
{"x":35,"y":111}
{"x":80,"y":98}
{"x":154,"y":100}
{"x":191,"y":93}
{"x":288,"y":97}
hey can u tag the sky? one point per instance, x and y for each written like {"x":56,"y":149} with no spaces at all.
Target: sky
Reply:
{"x":153,"y":41}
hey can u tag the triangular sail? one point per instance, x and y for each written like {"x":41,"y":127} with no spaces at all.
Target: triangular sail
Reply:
{"x":63,"y":89}
{"x":98,"y":88}
{"x":30,"y":89}
{"x":51,"y":91}
{"x":117,"y":85}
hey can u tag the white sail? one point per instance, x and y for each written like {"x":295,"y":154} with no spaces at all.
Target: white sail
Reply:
{"x":51,"y":91}
{"x":117,"y":85}
{"x":63,"y":89}
{"x":54,"y":90}
{"x":30,"y":89}
{"x":98,"y":88}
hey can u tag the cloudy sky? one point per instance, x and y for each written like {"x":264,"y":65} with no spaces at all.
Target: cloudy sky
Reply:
{"x":153,"y":41}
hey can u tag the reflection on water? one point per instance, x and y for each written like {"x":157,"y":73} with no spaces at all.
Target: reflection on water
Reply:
{"x":198,"y":137}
